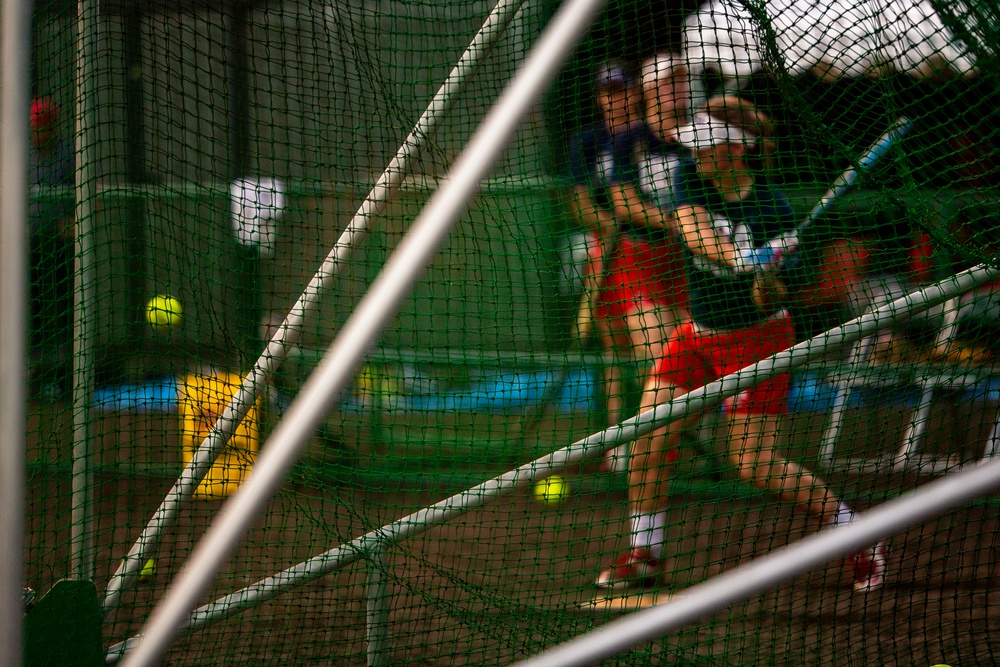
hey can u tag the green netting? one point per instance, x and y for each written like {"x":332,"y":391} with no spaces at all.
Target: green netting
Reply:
{"x":195,"y":164}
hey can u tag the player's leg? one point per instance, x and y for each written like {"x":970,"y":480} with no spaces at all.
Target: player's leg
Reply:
{"x":648,"y":325}
{"x":752,"y":449}
{"x":755,"y":415}
{"x":615,"y":341}
{"x":649,"y":462}
{"x":752,"y":444}
{"x":635,"y":336}
{"x":656,"y":306}
{"x":614,"y":392}
{"x":647,"y":328}
{"x":648,"y":473}
{"x":611,"y":318}
{"x":653,"y":452}
{"x":659,"y":300}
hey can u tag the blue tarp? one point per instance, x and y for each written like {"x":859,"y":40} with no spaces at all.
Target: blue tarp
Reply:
{"x":153,"y":396}
{"x":515,"y":390}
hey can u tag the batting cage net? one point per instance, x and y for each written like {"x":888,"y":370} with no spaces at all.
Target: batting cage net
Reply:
{"x":215,"y":186}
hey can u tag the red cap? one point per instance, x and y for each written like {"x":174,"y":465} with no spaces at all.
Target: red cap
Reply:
{"x":43,"y":112}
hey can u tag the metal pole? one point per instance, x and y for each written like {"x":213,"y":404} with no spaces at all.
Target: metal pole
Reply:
{"x":364,"y":326}
{"x":288,"y":333}
{"x":740,"y":583}
{"x":82,"y":517}
{"x":917,"y":427}
{"x":136,"y":243}
{"x":14,"y":101}
{"x":698,"y":399}
{"x":249,"y":263}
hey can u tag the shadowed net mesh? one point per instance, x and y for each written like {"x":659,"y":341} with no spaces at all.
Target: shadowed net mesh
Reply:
{"x":644,"y":233}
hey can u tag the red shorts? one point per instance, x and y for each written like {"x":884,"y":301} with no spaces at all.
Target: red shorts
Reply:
{"x":641,"y":272}
{"x":694,"y":357}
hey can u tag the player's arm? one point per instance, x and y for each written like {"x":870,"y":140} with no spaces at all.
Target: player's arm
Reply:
{"x":699,"y":234}
{"x":629,"y":206}
{"x":699,"y":230}
{"x":590,"y":215}
{"x":769,"y":291}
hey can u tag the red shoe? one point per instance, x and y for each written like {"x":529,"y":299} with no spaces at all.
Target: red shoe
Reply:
{"x":635,"y":567}
{"x":869,"y":567}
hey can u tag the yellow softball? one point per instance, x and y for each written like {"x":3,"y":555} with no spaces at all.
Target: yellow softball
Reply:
{"x":163,"y":311}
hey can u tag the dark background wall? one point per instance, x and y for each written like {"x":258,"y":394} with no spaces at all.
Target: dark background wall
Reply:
{"x":328,"y":93}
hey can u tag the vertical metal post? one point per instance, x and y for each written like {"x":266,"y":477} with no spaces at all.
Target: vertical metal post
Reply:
{"x":250,"y":297}
{"x":375,"y":203}
{"x":136,"y":173}
{"x":710,"y":395}
{"x":380,"y":303}
{"x":82,"y":527}
{"x":238,"y":82}
{"x":831,"y":434}
{"x":14,"y":101}
{"x":377,"y":617}
{"x":918,"y":421}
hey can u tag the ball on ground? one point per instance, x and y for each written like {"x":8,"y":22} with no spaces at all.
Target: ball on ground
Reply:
{"x":551,"y":490}
{"x":163,"y":311}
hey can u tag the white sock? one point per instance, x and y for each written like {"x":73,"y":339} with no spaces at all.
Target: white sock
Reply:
{"x":844,"y":515}
{"x":648,"y":532}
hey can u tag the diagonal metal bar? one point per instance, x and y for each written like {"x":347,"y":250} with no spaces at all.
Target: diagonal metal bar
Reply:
{"x":373,"y":312}
{"x":930,"y":500}
{"x":698,"y":399}
{"x":288,"y":333}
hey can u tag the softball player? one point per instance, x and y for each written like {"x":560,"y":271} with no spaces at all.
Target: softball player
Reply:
{"x":728,"y":216}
